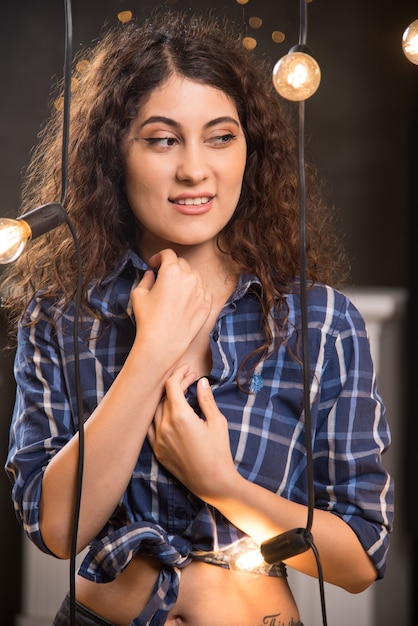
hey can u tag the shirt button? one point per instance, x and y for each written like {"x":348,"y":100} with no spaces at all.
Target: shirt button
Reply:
{"x":215,"y":335}
{"x":180,"y":513}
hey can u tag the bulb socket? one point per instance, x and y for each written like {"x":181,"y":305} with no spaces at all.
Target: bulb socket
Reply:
{"x":44,"y":218}
{"x":286,"y":545}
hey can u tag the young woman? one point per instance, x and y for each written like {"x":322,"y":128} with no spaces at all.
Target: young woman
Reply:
{"x":184,"y":193}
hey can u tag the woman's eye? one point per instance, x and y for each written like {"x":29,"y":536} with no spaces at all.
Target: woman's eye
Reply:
{"x":222,"y":140}
{"x":162,"y":142}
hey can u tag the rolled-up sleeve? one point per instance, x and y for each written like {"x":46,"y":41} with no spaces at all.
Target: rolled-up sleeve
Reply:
{"x":41,"y":422}
{"x":352,"y":436}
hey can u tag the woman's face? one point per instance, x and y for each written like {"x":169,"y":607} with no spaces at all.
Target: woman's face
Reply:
{"x":184,"y":158}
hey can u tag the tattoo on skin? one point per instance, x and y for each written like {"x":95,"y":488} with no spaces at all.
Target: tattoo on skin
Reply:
{"x":273,"y":620}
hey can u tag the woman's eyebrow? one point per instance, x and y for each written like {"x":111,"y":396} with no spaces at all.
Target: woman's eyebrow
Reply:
{"x":221,"y":120}
{"x":170,"y":122}
{"x":160,"y":118}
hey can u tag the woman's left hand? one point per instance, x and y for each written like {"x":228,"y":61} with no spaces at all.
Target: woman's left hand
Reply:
{"x":196,"y":451}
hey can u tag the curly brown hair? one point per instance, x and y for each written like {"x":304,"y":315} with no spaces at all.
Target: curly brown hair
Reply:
{"x":118,"y":75}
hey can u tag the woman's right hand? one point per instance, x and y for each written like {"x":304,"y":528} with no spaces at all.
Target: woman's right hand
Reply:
{"x":172,"y":307}
{"x":169,"y":311}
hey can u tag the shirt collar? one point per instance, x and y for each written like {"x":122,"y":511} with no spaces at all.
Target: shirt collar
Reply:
{"x":131,"y":258}
{"x":245,"y":281}
{"x":128,"y":259}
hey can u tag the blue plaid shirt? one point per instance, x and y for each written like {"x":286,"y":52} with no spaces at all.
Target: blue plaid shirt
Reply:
{"x":157,"y":515}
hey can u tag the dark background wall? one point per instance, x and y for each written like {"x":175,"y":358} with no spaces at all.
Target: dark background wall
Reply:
{"x":361,"y":133}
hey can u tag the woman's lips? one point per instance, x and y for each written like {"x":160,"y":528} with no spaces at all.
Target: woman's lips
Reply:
{"x":193,"y":206}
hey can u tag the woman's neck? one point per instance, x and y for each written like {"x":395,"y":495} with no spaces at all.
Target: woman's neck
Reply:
{"x":217,"y":271}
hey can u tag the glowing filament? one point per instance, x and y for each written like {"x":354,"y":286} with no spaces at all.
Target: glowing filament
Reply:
{"x":410,"y":42}
{"x":296,"y":76}
{"x":14,"y":234}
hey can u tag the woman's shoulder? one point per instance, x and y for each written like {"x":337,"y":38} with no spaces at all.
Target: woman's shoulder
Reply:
{"x":327,"y":305}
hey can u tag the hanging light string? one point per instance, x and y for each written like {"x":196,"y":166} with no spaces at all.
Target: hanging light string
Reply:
{"x":77,"y":301}
{"x":67,"y":98}
{"x":291,"y":76}
{"x":306,"y":360}
{"x":305,"y":322}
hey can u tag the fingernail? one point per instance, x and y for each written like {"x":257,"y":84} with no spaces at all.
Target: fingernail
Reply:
{"x":204,"y":382}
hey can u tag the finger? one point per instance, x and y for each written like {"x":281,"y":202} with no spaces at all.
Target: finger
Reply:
{"x":178,"y":383}
{"x":182,"y":377}
{"x":188,"y":380}
{"x":158,"y":416}
{"x":166,"y":255}
{"x":151,"y":434}
{"x":208,"y":299}
{"x":205,"y":397}
{"x":148,"y":280}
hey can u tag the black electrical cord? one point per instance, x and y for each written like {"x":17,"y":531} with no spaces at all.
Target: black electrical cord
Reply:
{"x":306,"y":360}
{"x":68,"y":53}
{"x":303,"y":34}
{"x":304,"y":319}
{"x":77,"y":299}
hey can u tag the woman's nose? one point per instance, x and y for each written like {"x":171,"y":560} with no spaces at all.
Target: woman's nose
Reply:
{"x":192,"y":166}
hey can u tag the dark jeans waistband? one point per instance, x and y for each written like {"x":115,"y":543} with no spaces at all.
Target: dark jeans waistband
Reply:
{"x":84,"y":617}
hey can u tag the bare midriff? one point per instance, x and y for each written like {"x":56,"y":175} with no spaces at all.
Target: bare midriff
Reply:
{"x":209,"y":595}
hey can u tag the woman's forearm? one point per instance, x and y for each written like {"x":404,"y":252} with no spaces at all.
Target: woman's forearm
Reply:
{"x":113,"y":436}
{"x":262,"y":514}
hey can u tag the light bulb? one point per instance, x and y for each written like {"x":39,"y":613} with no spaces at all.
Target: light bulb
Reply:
{"x":410,"y":42}
{"x":249,"y":561}
{"x":15,"y":234}
{"x":296,"y":76}
{"x":288,"y":544}
{"x":245,"y":556}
